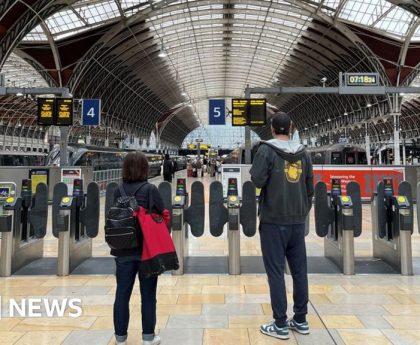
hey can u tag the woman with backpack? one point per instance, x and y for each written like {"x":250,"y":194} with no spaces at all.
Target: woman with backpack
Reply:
{"x":134,"y":176}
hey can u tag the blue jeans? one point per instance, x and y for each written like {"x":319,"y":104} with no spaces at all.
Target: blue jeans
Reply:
{"x":277,"y":243}
{"x":128,"y":267}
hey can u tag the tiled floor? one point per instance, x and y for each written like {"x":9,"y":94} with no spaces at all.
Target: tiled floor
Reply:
{"x":222,"y":309}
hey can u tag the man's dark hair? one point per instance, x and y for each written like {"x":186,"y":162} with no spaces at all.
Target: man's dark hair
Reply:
{"x":281,"y":123}
{"x":135,"y":167}
{"x":166,"y":156}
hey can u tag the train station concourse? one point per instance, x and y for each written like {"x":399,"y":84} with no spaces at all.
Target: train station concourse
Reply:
{"x":145,"y":137}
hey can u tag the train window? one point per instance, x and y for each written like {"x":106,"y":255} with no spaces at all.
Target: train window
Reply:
{"x":361,"y":156}
{"x":336,"y":158}
{"x":350,"y":158}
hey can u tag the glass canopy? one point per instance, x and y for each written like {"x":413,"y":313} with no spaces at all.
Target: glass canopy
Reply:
{"x":18,"y":73}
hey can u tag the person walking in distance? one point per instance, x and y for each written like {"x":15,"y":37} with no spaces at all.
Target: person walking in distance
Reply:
{"x":282,"y":168}
{"x":168,"y":168}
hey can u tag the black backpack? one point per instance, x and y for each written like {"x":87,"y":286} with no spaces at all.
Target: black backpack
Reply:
{"x":121,"y":227}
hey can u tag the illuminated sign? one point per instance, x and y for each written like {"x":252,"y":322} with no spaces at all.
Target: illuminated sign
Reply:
{"x":239,"y":112}
{"x":64,"y":110}
{"x":46,"y":111}
{"x":249,"y":112}
{"x":191,"y":146}
{"x":362,"y":79}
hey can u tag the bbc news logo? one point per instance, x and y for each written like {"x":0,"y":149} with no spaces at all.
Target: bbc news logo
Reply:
{"x":41,"y":307}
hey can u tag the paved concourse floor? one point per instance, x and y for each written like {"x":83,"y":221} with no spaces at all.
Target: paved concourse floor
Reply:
{"x":218,"y":309}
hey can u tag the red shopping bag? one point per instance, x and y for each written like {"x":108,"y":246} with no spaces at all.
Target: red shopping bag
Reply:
{"x":159,"y":253}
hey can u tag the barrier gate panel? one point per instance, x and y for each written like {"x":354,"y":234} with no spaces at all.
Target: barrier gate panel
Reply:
{"x":165,"y":191}
{"x":248,"y":213}
{"x":324,"y":215}
{"x":381,"y":210}
{"x":194,"y":215}
{"x":109,"y":196}
{"x":353,"y":191}
{"x":89,"y":215}
{"x":218,"y":213}
{"x":404,"y":189}
{"x":38,"y":216}
{"x":418,"y":206}
{"x":60,"y":191}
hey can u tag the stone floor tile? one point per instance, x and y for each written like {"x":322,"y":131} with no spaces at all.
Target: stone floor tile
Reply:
{"x":341,"y":321}
{"x":89,"y":338}
{"x":232,"y":309}
{"x":316,"y":337}
{"x":402,"y":337}
{"x":258,"y":338}
{"x":226,"y":337}
{"x":201,"y":299}
{"x":10,"y":337}
{"x":241,"y":298}
{"x":374,"y":321}
{"x":181,"y":336}
{"x":197,"y":321}
{"x":404,"y":321}
{"x":363,"y":336}
{"x":43,"y":338}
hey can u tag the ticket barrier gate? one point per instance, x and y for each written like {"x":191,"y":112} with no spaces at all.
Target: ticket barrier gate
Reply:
{"x":23,"y":224}
{"x":392,"y":222}
{"x":238,"y":211}
{"x":338,"y":218}
{"x":182,"y":213}
{"x":75,"y":223}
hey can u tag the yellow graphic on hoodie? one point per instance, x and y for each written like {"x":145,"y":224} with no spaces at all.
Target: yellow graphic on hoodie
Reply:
{"x":293,"y":171}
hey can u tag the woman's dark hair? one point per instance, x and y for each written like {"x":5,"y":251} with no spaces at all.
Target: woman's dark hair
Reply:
{"x":135,"y":167}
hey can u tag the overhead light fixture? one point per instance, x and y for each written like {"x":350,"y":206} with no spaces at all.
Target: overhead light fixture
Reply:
{"x":368,"y":105}
{"x":162,"y":53}
{"x":19,"y":94}
{"x":329,"y":120}
{"x":345,"y":113}
{"x":316,"y":125}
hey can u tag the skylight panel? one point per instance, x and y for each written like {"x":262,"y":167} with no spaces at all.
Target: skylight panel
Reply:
{"x":99,"y":12}
{"x":63,"y":21}
{"x":397,"y":21}
{"x":37,"y":34}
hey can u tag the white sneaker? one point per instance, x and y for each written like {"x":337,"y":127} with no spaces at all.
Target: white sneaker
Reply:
{"x":155,"y":341}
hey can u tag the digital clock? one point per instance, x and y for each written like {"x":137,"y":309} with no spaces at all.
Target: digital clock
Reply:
{"x":362,"y":79}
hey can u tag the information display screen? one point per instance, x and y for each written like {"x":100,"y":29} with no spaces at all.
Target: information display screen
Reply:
{"x":249,"y":112}
{"x":362,"y":79}
{"x":181,"y":186}
{"x":64,"y":109}
{"x":232,"y":186}
{"x":239,"y":112}
{"x":46,"y":111}
{"x":335,"y":186}
{"x":257,"y":115}
{"x":4,"y":192}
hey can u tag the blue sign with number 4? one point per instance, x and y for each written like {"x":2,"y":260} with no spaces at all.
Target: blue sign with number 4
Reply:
{"x":91,"y":112}
{"x":217,"y":112}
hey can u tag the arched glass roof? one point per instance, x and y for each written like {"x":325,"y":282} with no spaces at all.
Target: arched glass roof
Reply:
{"x":18,"y":73}
{"x":224,"y":137}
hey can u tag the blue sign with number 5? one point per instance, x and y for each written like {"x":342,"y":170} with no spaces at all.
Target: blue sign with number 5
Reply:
{"x":217,"y":112}
{"x":91,"y":112}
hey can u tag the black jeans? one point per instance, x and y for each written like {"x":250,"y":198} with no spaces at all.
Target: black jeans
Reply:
{"x":128,"y":267}
{"x":277,"y":243}
{"x":167,"y":178}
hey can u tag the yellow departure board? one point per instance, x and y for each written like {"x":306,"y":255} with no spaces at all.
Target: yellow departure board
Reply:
{"x":64,"y":112}
{"x":46,"y":111}
{"x":249,"y":112}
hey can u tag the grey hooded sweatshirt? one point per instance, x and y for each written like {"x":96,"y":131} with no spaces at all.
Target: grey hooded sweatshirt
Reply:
{"x":283,"y":171}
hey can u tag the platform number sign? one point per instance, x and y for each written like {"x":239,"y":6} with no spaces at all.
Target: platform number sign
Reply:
{"x":91,"y":112}
{"x":217,"y":112}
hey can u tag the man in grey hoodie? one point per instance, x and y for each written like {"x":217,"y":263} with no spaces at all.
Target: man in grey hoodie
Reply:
{"x":283,"y":170}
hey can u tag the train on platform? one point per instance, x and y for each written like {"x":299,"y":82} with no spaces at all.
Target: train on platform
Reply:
{"x":100,"y":158}
{"x":22,"y":158}
{"x":336,"y":154}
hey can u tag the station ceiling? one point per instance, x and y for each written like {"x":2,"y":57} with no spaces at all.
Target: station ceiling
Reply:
{"x":155,"y":64}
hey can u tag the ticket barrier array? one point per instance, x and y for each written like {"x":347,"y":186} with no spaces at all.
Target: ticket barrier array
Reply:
{"x":238,"y":211}
{"x":23,"y":225}
{"x":75,"y":222}
{"x":392,"y":222}
{"x":338,"y":218}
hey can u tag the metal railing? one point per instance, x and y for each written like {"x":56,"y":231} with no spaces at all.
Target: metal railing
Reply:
{"x":103,"y":177}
